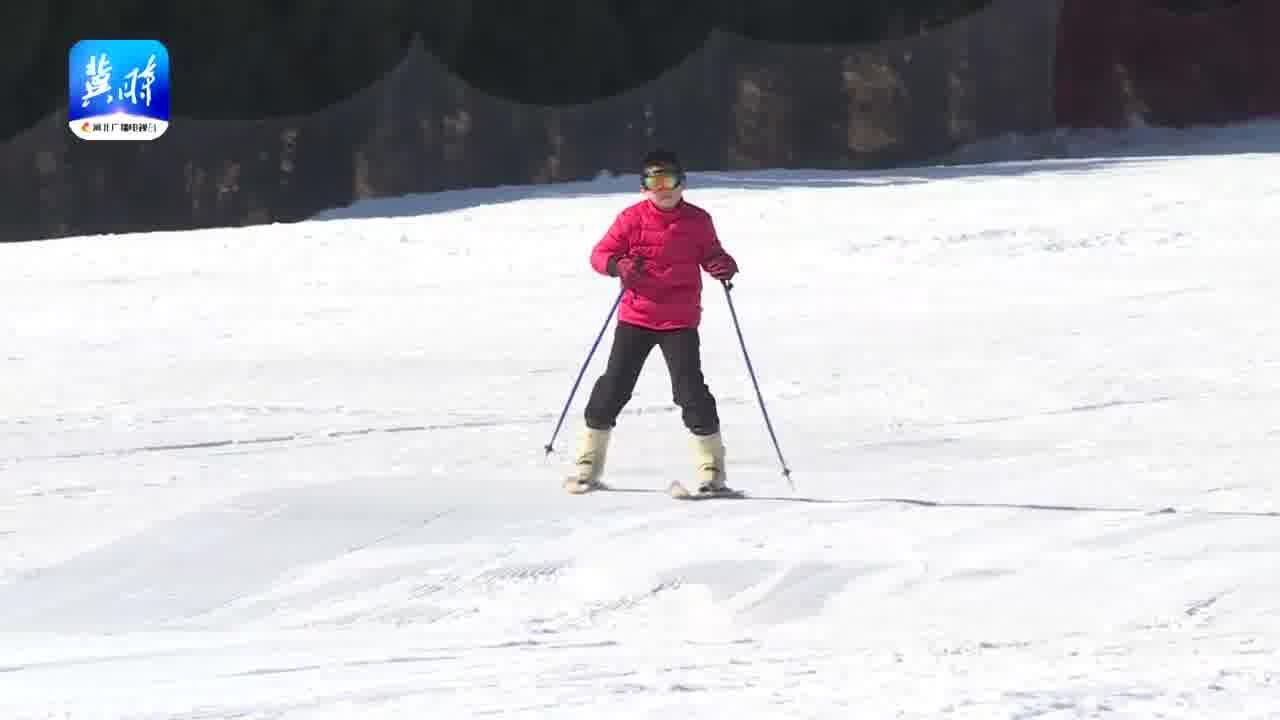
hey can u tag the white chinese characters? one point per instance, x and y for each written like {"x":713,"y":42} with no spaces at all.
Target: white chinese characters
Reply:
{"x":148,"y":75}
{"x":98,"y":81}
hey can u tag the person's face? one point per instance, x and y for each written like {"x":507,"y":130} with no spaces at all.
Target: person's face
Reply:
{"x":665,"y":199}
{"x":664,"y":189}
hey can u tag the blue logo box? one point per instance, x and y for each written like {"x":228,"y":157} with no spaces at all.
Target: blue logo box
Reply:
{"x":119,"y":89}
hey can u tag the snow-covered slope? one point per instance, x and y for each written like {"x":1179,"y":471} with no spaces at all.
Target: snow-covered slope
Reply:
{"x":1033,"y":413}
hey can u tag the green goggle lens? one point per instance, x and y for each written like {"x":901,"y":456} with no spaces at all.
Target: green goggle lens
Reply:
{"x":663,"y":180}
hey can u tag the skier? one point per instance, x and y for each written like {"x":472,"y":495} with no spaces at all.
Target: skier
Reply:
{"x":657,"y":248}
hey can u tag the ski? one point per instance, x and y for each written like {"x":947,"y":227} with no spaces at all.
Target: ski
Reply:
{"x":680,"y":492}
{"x":573,"y":486}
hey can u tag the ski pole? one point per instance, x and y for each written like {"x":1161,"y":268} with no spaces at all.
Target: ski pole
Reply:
{"x":583,"y":370}
{"x":786,"y":471}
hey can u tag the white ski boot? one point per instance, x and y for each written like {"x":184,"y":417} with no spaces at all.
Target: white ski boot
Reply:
{"x":588,"y":463}
{"x":709,"y":480}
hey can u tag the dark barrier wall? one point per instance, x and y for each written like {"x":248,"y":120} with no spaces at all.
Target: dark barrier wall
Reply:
{"x":735,"y":104}
{"x":1127,"y":62}
{"x":1017,"y":66}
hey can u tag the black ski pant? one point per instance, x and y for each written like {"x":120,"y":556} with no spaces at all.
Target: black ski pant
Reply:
{"x":631,"y":347}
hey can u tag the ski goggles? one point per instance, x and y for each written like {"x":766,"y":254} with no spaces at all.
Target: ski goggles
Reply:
{"x":662,"y":179}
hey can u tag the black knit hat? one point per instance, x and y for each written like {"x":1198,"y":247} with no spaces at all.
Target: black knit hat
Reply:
{"x":662,"y":158}
{"x":661,"y":162}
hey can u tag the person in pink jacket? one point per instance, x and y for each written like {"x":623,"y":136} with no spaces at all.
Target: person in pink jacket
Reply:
{"x":658,"y":248}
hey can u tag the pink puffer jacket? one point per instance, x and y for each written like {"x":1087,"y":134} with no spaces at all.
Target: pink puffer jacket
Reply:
{"x":676,"y":245}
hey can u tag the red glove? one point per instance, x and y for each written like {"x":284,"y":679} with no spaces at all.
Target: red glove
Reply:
{"x":629,"y":269}
{"x":722,"y":267}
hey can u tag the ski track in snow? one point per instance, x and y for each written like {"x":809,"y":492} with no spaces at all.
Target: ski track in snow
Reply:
{"x":297,"y":471}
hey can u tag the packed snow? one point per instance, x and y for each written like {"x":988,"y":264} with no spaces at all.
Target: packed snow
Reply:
{"x":1032,"y":411}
